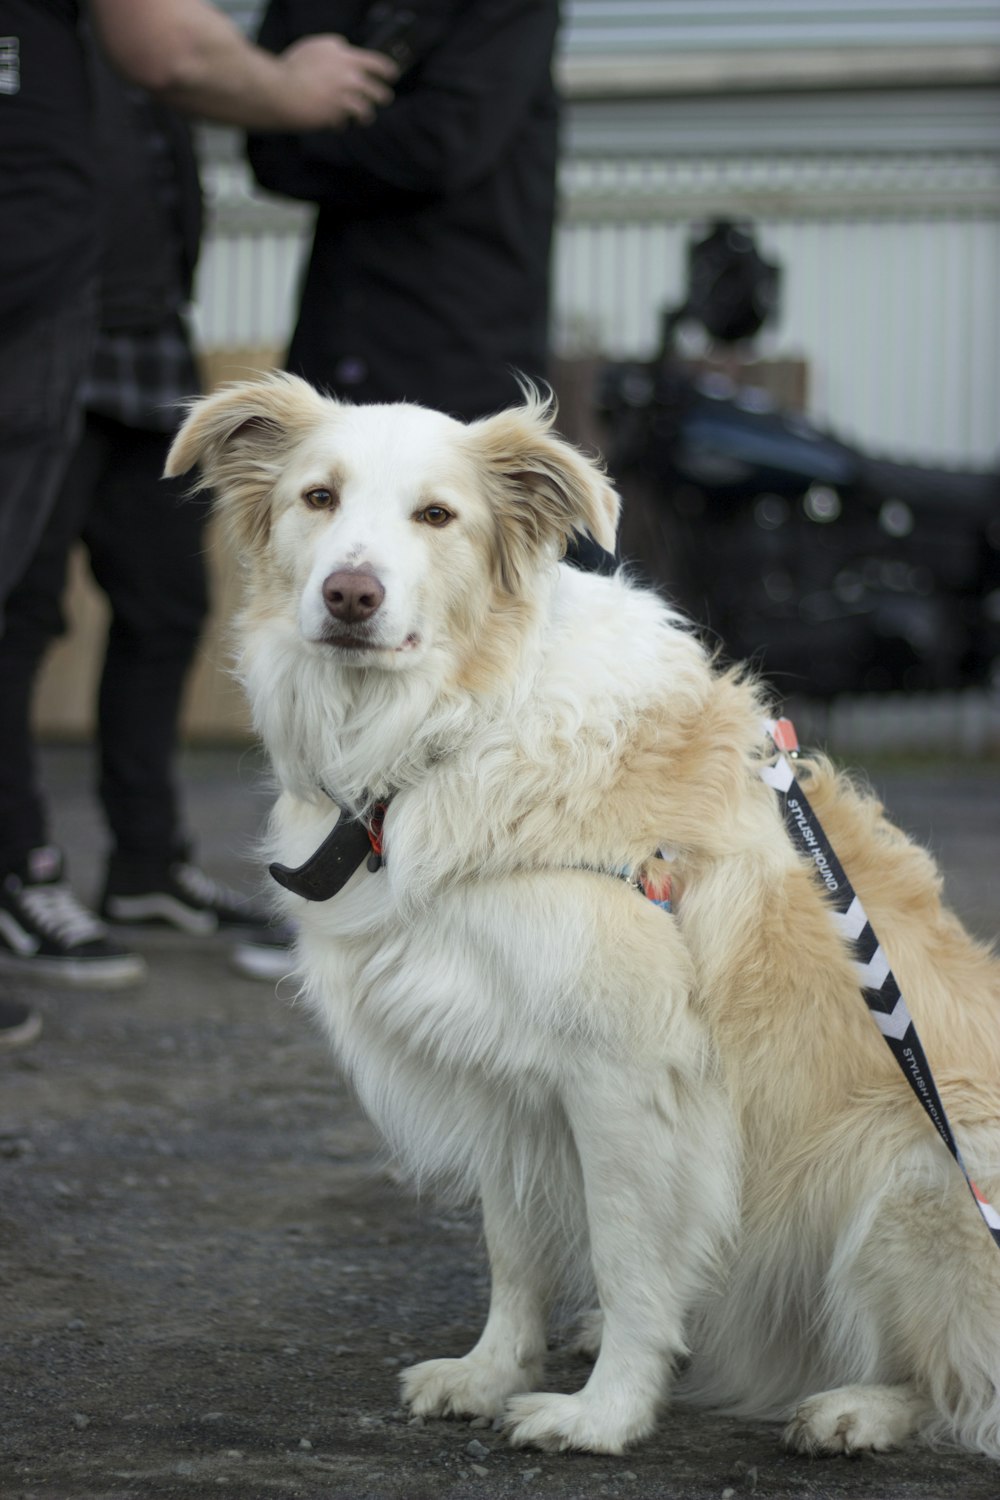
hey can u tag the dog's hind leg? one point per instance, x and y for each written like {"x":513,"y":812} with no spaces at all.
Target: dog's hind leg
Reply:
{"x":653,"y":1150}
{"x":855,"y":1419}
{"x":511,"y":1349}
{"x":913,"y":1305}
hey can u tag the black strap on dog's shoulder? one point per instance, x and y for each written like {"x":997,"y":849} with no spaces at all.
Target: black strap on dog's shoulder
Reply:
{"x":878,"y":983}
{"x":345,"y":848}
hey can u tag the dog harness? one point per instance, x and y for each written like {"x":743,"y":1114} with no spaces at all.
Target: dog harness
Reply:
{"x":354,"y":841}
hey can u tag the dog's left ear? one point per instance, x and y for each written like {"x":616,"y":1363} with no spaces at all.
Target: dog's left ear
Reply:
{"x":543,"y":490}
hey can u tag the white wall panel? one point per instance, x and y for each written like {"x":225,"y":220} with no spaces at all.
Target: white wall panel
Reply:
{"x":246,"y":289}
{"x":609,"y":27}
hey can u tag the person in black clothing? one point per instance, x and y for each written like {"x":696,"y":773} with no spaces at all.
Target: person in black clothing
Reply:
{"x":429,"y":274}
{"x":48,"y":256}
{"x":48,"y":304}
{"x":145,"y":539}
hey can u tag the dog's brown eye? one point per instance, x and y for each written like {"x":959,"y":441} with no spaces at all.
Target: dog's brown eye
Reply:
{"x":320,"y":498}
{"x":434,"y":515}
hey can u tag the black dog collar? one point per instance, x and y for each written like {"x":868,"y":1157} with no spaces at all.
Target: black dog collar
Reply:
{"x":344,"y":849}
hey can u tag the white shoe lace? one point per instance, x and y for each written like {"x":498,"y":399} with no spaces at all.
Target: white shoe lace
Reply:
{"x":57,"y":912}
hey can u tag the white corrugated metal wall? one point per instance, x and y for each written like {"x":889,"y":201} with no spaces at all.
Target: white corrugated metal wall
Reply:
{"x":882,"y":203}
{"x":897,"y":319}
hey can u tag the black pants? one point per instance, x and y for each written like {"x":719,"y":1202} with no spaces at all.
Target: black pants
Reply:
{"x":41,"y":371}
{"x":145,"y":540}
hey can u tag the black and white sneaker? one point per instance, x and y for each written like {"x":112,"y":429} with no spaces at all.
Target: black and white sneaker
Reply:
{"x":47,"y":933}
{"x":178,"y":895}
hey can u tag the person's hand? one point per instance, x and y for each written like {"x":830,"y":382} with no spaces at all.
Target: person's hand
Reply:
{"x":333,"y":82}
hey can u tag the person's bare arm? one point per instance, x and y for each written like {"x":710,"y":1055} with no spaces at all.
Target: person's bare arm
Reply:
{"x":192,"y":55}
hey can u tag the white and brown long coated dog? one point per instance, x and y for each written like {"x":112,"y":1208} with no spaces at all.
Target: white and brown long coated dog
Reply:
{"x":690,"y":1117}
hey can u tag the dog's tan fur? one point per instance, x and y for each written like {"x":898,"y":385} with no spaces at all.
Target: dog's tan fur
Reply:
{"x":691,"y":1116}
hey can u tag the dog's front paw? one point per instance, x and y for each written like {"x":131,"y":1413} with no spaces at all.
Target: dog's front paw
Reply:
{"x":475,"y":1386}
{"x":556,"y":1423}
{"x":853,"y":1419}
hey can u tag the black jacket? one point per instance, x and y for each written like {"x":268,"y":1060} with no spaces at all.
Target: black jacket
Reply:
{"x":429,"y":273}
{"x":150,"y":204}
{"x":48,"y":167}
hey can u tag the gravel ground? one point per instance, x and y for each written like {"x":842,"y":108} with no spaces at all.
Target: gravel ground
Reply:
{"x":209,"y":1281}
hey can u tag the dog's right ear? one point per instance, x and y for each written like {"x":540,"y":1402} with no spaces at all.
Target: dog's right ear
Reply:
{"x":238,"y":437}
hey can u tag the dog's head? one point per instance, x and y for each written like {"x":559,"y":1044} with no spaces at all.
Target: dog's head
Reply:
{"x":385,"y":530}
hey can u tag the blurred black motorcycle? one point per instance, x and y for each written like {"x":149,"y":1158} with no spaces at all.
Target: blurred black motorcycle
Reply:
{"x":834,"y":572}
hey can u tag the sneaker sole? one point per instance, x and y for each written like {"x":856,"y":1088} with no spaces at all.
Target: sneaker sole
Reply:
{"x":260,"y":963}
{"x":78,"y":973}
{"x":23,"y":1035}
{"x":159,"y":911}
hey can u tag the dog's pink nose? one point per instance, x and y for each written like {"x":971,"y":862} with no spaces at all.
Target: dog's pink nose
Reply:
{"x":352,"y":595}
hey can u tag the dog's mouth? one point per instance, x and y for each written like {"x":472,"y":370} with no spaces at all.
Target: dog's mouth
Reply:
{"x":363,"y":642}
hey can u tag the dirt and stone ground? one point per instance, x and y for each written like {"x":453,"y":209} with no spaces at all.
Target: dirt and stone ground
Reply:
{"x":209,"y":1282}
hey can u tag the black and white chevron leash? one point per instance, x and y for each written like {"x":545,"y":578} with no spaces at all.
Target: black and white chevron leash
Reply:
{"x":878,"y":984}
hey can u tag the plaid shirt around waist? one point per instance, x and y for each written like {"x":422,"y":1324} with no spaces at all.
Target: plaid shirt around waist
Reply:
{"x":139,"y":376}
